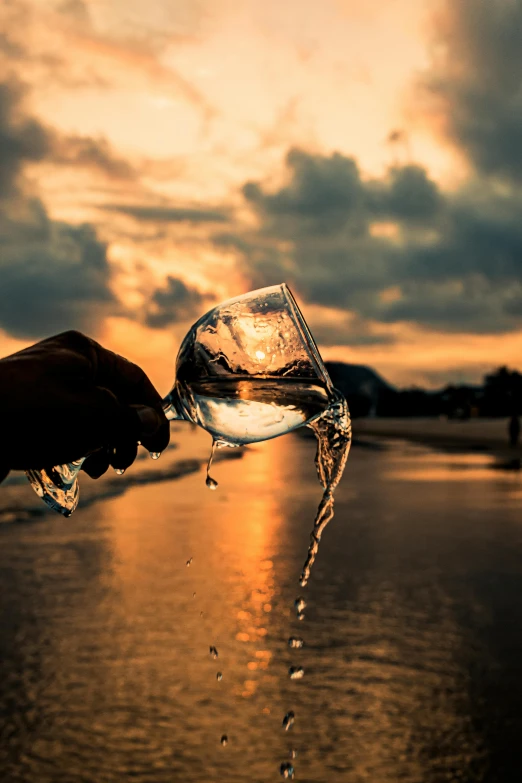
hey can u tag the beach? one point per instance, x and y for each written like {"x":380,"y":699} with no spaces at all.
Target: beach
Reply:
{"x":412,"y":629}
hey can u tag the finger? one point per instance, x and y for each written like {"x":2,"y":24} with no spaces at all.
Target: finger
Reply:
{"x":159,"y":441}
{"x":123,"y":454}
{"x":96,"y":464}
{"x":154,"y":429}
{"x":124,"y":379}
{"x":131,"y":386}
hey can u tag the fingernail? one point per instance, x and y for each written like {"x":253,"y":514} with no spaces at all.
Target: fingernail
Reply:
{"x":150,"y":421}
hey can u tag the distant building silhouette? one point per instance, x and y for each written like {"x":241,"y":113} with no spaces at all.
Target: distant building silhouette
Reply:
{"x":368,"y":394}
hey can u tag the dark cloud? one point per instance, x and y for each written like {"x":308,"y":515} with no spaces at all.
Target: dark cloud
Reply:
{"x":59,"y":280}
{"x":327,"y":194}
{"x":347,"y":331}
{"x":476,"y":80}
{"x":408,"y":195}
{"x":174,"y":303}
{"x":393,"y":249}
{"x":90,"y":153}
{"x":53,"y":276}
{"x":22,"y":139}
{"x":160,"y":214}
{"x":323,"y":192}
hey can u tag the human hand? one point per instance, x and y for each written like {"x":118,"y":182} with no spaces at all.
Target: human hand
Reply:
{"x":67,"y":397}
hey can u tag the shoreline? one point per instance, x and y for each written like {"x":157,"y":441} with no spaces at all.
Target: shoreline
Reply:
{"x":488,"y":436}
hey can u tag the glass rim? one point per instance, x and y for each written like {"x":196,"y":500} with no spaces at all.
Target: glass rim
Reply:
{"x":306,"y":334}
{"x":296,"y":316}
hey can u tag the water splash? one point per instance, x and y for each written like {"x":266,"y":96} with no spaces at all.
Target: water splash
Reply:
{"x":296,"y":672}
{"x":295,"y":642}
{"x":334,"y":436}
{"x":299,"y":604}
{"x":209,"y":481}
{"x":288,"y":720}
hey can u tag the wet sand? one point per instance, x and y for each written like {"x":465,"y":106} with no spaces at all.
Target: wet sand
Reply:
{"x":485,"y":435}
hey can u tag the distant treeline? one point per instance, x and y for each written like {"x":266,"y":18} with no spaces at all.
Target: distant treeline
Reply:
{"x":500,"y":395}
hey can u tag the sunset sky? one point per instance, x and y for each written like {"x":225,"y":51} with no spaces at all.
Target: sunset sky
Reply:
{"x":158,"y":156}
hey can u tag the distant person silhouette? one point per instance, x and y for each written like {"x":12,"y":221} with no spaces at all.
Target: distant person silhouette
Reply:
{"x":514,"y":430}
{"x":67,"y":397}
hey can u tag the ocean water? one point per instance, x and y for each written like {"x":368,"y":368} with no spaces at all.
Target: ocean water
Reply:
{"x":412,"y":629}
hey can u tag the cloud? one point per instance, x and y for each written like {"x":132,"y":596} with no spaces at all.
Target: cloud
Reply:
{"x":388,"y":250}
{"x":22,"y":139}
{"x":174,"y":303}
{"x":473,"y":86}
{"x":77,"y":10}
{"x":10,"y":48}
{"x":90,"y":153}
{"x":59,"y":280}
{"x":53,"y":275}
{"x":327,"y":193}
{"x":72,"y":47}
{"x":331,"y":326}
{"x":164,"y":214}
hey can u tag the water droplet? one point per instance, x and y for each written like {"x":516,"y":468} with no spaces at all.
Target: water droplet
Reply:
{"x":213,"y":652}
{"x":293,"y":754}
{"x":224,"y":740}
{"x":296,"y":642}
{"x":296,"y":672}
{"x":189,"y":563}
{"x":300,"y":615}
{"x":155,"y":454}
{"x":287,"y":770}
{"x":219,"y":676}
{"x":288,"y":720}
{"x":201,"y":614}
{"x":211,"y":483}
{"x":299,"y":604}
{"x":193,"y":595}
{"x":119,"y":471}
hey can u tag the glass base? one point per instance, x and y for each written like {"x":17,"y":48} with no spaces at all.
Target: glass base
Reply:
{"x":60,"y":495}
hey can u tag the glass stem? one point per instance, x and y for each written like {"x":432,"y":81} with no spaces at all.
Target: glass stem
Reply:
{"x":172,"y":406}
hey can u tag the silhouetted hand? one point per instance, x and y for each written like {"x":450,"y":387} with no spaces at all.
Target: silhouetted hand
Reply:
{"x":66,"y":397}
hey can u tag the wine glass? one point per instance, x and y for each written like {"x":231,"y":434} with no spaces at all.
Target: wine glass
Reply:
{"x":247,"y":371}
